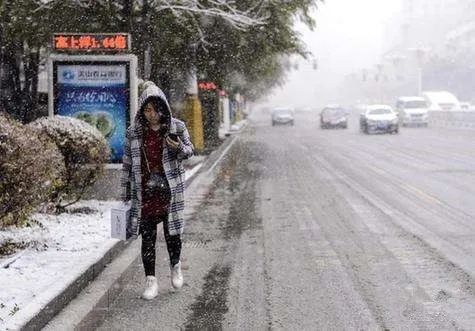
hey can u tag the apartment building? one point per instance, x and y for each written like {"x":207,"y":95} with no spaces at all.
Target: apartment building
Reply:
{"x":434,"y":44}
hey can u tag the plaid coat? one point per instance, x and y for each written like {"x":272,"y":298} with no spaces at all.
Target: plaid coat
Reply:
{"x":131,"y":180}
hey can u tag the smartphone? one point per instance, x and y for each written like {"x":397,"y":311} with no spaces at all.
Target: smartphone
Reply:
{"x":173,"y":136}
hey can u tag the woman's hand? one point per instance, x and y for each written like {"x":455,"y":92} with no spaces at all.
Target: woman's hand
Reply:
{"x":173,"y":144}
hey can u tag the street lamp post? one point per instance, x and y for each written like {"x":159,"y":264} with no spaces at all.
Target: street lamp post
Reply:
{"x":379,"y":68}
{"x":419,"y":80}
{"x":397,"y":61}
{"x":420,"y":54}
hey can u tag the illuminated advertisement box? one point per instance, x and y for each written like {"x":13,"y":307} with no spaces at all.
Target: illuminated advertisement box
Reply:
{"x":97,"y":92}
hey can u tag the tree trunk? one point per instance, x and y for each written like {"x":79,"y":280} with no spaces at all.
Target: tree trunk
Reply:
{"x":30,"y":89}
{"x":35,"y":59}
{"x":2,"y":70}
{"x":10,"y":85}
{"x":164,"y":82}
{"x":210,"y":104}
{"x":145,"y":42}
{"x":127,"y":16}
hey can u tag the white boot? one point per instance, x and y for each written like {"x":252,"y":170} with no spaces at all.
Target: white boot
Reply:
{"x":176,"y":276}
{"x":151,"y":288}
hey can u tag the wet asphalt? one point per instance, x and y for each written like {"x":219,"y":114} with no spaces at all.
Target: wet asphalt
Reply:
{"x":303,"y":228}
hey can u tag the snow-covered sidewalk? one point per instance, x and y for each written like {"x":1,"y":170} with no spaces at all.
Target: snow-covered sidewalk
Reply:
{"x":61,"y":247}
{"x":238,"y":125}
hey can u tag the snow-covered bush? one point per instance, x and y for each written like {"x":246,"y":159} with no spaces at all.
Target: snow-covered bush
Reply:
{"x":84,"y":148}
{"x":31,"y":167}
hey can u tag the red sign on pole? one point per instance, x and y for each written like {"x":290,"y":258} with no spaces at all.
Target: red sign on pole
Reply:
{"x":91,"y":42}
{"x":207,"y":86}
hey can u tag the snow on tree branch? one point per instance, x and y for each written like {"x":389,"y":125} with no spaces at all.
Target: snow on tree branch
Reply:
{"x":224,"y":9}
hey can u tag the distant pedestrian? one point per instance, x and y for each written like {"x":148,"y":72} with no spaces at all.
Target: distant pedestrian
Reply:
{"x":153,"y":178}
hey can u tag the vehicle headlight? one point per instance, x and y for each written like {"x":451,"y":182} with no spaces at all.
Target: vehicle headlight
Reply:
{"x":394,"y":120}
{"x":371,"y":121}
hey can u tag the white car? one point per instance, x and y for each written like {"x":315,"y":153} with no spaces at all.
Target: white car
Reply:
{"x":282,"y":116}
{"x":441,"y":101}
{"x":379,"y":118}
{"x":413,"y":111}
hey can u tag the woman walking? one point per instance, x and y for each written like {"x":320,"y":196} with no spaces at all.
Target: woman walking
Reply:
{"x":153,"y":179}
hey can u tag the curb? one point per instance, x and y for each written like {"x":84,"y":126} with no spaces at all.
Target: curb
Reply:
{"x":73,"y":289}
{"x":100,"y":284}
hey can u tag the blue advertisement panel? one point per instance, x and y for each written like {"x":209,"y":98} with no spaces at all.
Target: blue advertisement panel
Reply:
{"x":97,"y":94}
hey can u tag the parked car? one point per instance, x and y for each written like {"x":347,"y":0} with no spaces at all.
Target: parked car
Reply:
{"x":412,"y":111}
{"x":282,"y":116}
{"x":441,"y":100}
{"x":379,"y":118}
{"x":333,"y":116}
{"x":466,"y":106}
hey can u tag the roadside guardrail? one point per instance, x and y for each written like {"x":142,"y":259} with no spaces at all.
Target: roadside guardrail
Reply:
{"x":452,"y":119}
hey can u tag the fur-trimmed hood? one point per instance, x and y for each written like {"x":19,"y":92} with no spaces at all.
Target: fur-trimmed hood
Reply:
{"x":151,"y":91}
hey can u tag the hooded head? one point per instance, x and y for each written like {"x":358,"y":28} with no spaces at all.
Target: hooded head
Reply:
{"x":151,"y":93}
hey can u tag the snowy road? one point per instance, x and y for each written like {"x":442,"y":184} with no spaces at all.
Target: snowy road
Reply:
{"x":323,"y":229}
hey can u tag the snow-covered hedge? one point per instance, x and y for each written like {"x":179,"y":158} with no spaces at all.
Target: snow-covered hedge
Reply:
{"x":84,"y":148}
{"x":31,"y":167}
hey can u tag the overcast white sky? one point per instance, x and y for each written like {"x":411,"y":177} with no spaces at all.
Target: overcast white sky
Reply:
{"x":348,"y":37}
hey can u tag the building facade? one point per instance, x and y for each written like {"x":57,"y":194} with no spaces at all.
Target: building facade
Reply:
{"x":430,"y":45}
